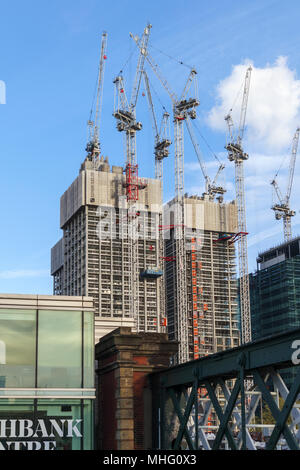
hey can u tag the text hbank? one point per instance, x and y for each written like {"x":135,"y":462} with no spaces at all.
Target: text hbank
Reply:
{"x":27,"y":429}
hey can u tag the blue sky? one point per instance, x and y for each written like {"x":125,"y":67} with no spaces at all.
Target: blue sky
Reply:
{"x":48,"y":60}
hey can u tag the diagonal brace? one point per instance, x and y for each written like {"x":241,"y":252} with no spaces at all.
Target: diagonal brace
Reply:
{"x":280,"y":416}
{"x":224,"y":418}
{"x":183,"y":419}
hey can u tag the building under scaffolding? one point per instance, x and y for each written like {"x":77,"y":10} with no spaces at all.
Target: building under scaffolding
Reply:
{"x":210,"y":228}
{"x":93,"y":255}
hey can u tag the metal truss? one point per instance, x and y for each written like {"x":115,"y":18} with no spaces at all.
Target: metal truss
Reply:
{"x":181,"y":289}
{"x":237,"y":155}
{"x":182,"y":415}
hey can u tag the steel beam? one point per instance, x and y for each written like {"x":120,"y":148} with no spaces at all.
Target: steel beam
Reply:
{"x":261,"y":360}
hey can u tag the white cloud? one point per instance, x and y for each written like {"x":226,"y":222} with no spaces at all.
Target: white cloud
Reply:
{"x":272,"y":117}
{"x":192,"y":166}
{"x":273,"y":112}
{"x":23,"y":273}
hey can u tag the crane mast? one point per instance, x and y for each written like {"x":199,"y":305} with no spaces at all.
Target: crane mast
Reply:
{"x":162,"y":141}
{"x":237,"y":155}
{"x":162,"y":144}
{"x":93,"y":146}
{"x":125,"y":114}
{"x":283,"y":210}
{"x":161,"y":151}
{"x":181,"y":108}
{"x":211,"y":187}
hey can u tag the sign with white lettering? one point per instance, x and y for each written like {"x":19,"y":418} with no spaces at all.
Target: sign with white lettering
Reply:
{"x":41,"y":434}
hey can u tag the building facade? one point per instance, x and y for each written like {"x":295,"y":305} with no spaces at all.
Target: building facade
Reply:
{"x":92,"y":258}
{"x":275,"y":290}
{"x":210,"y":275}
{"x":47,"y":388}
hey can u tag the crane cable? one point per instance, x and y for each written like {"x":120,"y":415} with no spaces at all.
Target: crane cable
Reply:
{"x":207,"y":144}
{"x":281,"y":164}
{"x":94,"y":97}
{"x":128,"y":59}
{"x":161,"y":52}
{"x":164,"y":53}
{"x":236,"y":98}
{"x":172,"y":58}
{"x":156,"y":94}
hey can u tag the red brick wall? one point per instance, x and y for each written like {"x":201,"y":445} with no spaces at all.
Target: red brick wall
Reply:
{"x":139,"y":383}
{"x":108,"y":426}
{"x":125,"y":360}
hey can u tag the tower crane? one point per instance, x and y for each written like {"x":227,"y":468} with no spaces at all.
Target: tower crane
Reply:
{"x":282,"y":210}
{"x":181,"y":106}
{"x":125,"y":114}
{"x":162,"y":143}
{"x":93,"y":146}
{"x":237,"y":155}
{"x":211,"y":187}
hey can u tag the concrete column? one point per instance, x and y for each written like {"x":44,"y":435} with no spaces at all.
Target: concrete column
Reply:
{"x":125,"y":359}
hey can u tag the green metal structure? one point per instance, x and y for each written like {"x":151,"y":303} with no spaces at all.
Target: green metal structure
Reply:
{"x":181,"y":413}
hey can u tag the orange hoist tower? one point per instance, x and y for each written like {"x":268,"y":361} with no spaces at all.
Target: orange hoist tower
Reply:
{"x":199,"y":306}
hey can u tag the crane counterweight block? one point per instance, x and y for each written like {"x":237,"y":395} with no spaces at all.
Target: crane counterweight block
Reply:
{"x":163,"y":144}
{"x":235,"y":152}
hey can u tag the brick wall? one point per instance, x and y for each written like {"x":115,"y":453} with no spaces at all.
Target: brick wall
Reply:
{"x":125,"y":359}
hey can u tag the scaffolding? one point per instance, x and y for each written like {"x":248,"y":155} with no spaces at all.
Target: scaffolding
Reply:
{"x":211,"y":283}
{"x":93,"y":257}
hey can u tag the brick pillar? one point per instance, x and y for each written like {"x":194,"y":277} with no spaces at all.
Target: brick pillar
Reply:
{"x":125,"y":359}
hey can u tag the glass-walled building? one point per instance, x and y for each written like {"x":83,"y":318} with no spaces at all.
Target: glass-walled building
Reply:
{"x":46,"y":372}
{"x":275,"y":290}
{"x":275,"y":293}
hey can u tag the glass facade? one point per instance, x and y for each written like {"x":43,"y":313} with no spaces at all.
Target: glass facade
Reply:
{"x":59,"y":350}
{"x":275,"y":301}
{"x":17,"y":338}
{"x":46,"y":379}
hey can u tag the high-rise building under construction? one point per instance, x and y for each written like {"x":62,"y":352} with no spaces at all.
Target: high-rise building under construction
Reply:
{"x":92,"y":258}
{"x":210,"y":228}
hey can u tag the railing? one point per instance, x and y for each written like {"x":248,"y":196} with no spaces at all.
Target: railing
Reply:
{"x":215,"y":402}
